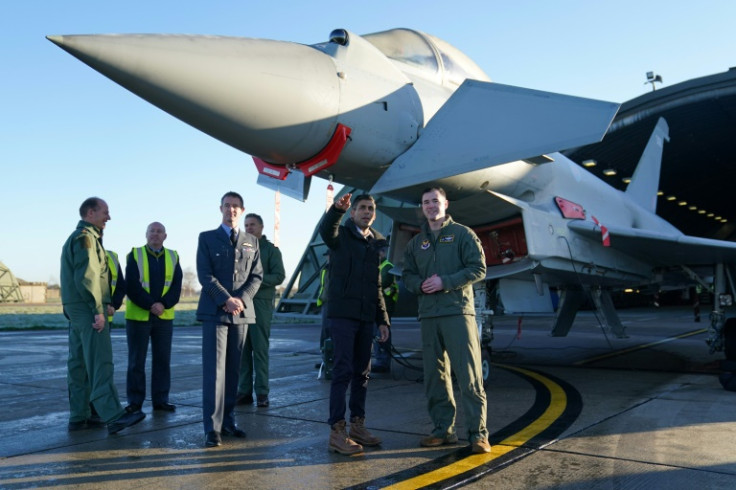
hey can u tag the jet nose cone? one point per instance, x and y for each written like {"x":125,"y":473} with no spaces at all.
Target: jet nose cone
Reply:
{"x":275,"y":100}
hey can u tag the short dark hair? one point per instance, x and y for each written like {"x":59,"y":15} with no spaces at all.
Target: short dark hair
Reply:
{"x":362,"y":197}
{"x":232,"y":194}
{"x":89,"y":204}
{"x":255,"y":217}
{"x":438,"y":189}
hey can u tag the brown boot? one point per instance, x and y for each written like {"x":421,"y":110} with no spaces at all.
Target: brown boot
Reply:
{"x":360,"y":434}
{"x":340,"y":442}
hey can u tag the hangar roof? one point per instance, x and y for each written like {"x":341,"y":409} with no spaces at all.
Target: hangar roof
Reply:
{"x":699,"y":162}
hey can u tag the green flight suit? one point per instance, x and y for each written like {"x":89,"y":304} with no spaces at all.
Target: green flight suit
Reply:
{"x":85,"y":292}
{"x":254,"y":359}
{"x":449,"y":331}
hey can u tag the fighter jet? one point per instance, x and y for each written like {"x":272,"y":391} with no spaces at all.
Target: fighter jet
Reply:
{"x":401,"y":110}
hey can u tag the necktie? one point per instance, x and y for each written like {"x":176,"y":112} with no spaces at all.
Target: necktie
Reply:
{"x":233,"y":237}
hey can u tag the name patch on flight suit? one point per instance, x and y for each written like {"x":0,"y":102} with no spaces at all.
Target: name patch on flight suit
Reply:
{"x":248,"y":245}
{"x":447,"y":238}
{"x":425,"y":245}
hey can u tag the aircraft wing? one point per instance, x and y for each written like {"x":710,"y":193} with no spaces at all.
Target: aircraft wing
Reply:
{"x":662,"y":249}
{"x":485,"y":124}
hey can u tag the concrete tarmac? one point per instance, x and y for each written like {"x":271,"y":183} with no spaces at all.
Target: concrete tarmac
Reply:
{"x":585,"y":411}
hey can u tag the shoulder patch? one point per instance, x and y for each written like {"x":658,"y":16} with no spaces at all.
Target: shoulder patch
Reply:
{"x":85,"y":241}
{"x":447,"y":238}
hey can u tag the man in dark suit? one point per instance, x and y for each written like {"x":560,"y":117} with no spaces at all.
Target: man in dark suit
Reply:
{"x":229,"y":270}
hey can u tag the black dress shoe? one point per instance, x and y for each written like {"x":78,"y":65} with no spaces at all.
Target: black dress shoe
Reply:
{"x":80,"y":425}
{"x":133,"y":408}
{"x":244,"y":399}
{"x":212,"y":439}
{"x":95,"y":422}
{"x":165,"y":407}
{"x":262,"y":401}
{"x":126,"y":420}
{"x":233,"y":431}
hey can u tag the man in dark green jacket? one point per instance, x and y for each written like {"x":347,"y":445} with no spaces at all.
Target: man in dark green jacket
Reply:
{"x":85,"y":296}
{"x":441,"y":264}
{"x":255,"y":351}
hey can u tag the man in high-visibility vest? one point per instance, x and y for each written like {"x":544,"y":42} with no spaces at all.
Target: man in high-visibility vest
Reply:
{"x":390,"y":291}
{"x":117,"y":284}
{"x":153,"y":288}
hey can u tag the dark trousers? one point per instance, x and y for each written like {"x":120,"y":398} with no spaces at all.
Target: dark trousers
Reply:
{"x":138,"y":333}
{"x":222,"y":346}
{"x":352,"y":341}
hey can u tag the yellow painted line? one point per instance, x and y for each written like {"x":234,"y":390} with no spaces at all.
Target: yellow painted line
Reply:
{"x":639,"y":347}
{"x":557,"y":405}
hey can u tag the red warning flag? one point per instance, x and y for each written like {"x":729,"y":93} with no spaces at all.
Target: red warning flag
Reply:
{"x":605,"y":238}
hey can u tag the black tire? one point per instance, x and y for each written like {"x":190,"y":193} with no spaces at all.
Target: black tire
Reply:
{"x":485,"y":356}
{"x":729,"y":339}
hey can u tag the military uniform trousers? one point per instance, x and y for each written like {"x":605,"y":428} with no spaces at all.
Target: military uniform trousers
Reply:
{"x":90,"y":368}
{"x":160,"y":333}
{"x":255,"y":353}
{"x":222,"y":345}
{"x":352,"y":342}
{"x":453,"y":341}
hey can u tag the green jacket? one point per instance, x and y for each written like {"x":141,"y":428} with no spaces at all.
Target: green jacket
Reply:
{"x":84,"y":270}
{"x":273,"y":269}
{"x":456,"y":255}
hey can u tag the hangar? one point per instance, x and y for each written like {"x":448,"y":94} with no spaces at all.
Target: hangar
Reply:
{"x":699,"y":162}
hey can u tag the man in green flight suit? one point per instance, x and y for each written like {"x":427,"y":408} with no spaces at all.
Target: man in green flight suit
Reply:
{"x":85,"y":296}
{"x":255,"y":351}
{"x":441,"y":264}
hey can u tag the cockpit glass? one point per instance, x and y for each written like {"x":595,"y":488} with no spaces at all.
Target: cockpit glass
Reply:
{"x":415,"y":48}
{"x":405,"y":45}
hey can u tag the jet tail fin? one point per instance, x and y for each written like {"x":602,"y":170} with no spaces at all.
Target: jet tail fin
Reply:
{"x":644,"y":183}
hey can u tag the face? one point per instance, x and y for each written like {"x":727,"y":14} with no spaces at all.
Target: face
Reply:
{"x":155,"y":236}
{"x":231,"y":209}
{"x":254,"y":227}
{"x":434,"y":205}
{"x":99,"y":216}
{"x":363,"y":213}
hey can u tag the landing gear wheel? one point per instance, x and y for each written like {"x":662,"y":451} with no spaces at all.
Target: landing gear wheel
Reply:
{"x":485,"y":357}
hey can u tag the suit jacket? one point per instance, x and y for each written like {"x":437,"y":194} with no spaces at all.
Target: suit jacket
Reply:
{"x":225,"y":271}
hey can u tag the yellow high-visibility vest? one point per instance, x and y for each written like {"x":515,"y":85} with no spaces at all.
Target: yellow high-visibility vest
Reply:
{"x":321,"y":292}
{"x":392,"y":291}
{"x":113,"y":264}
{"x":171,"y":258}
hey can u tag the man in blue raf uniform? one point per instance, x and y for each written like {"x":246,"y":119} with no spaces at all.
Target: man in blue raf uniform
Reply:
{"x":229,"y":270}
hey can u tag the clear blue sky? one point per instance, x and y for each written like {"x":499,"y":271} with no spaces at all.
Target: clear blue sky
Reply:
{"x":67,"y":132}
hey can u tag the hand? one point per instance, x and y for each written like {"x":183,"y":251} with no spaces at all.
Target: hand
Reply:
{"x":99,"y":323}
{"x":234,"y":306}
{"x":343,"y":203}
{"x":383,"y":331}
{"x":432,"y":284}
{"x":157,"y":308}
{"x":110,"y":310}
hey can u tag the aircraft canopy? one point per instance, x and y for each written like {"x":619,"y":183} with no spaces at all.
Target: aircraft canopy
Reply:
{"x":427,"y":53}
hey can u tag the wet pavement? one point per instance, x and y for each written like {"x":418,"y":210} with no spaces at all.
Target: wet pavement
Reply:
{"x":585,"y":411}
